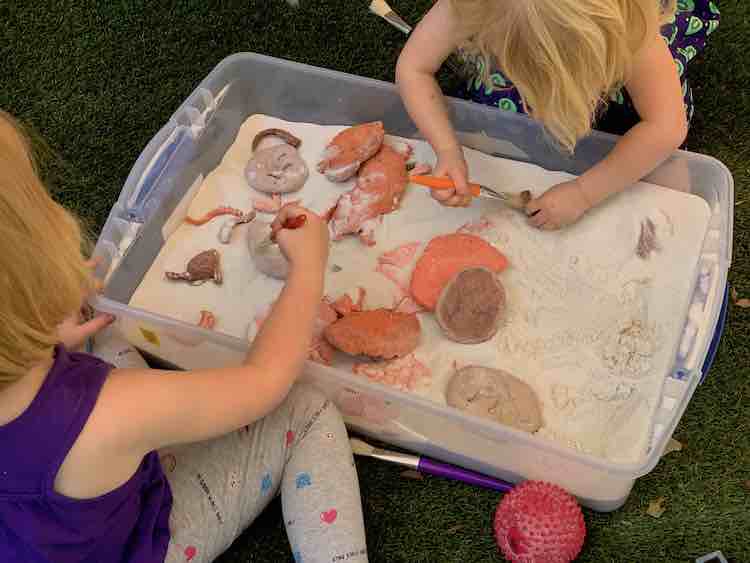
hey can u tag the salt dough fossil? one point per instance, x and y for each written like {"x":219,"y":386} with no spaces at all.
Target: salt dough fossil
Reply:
{"x":207,"y":320}
{"x":202,"y":267}
{"x":348,"y":150}
{"x":471,"y":306}
{"x":377,"y":333}
{"x":279,"y":169}
{"x":227,"y":227}
{"x":496,"y":395}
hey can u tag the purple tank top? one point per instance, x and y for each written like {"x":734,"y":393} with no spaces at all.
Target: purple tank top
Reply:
{"x":127,"y":525}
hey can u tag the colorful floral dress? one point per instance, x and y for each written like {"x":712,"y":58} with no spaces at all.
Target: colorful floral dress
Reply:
{"x":686,"y":34}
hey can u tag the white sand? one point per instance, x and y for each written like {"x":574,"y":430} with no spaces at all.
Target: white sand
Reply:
{"x":590,"y":326}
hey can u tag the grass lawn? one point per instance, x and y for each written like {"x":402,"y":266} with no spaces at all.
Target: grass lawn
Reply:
{"x":98,"y":79}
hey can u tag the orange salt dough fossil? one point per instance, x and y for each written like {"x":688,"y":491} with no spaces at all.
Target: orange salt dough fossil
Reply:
{"x":381,"y":184}
{"x":403,"y":373}
{"x":348,"y":150}
{"x":207,"y":320}
{"x":377,"y":333}
{"x":221,"y":210}
{"x":271,"y":205}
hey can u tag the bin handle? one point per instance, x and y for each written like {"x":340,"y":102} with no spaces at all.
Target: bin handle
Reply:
{"x":197,"y":122}
{"x":149,"y":179}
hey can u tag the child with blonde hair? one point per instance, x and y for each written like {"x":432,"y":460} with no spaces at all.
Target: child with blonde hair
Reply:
{"x":80,"y":476}
{"x":563,"y":62}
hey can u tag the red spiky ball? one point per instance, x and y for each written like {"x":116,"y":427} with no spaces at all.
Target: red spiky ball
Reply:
{"x":539,"y":522}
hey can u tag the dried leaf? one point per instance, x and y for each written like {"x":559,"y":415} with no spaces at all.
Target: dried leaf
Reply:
{"x":743,"y":303}
{"x":739,"y":202}
{"x":656,"y":507}
{"x":746,"y":484}
{"x":411,"y":474}
{"x":454,"y":529}
{"x":672,"y":446}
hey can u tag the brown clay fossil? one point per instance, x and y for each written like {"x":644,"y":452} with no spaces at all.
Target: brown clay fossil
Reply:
{"x":471,"y":306}
{"x":201,"y":268}
{"x":287,"y":137}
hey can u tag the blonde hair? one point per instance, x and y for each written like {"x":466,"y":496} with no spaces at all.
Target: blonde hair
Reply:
{"x":43,"y":275}
{"x":564,"y":56}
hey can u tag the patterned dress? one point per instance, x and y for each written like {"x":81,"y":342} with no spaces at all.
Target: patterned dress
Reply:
{"x":686,"y":34}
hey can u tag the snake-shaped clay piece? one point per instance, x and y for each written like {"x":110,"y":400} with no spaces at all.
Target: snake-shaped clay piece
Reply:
{"x":278,"y":169}
{"x":495,"y":395}
{"x":471,"y":306}
{"x":201,"y":268}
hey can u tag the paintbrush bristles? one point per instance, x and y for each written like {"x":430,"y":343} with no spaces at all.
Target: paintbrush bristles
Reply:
{"x":380,"y":8}
{"x":361,"y":448}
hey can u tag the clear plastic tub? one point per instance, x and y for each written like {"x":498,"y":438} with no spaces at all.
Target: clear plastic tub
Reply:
{"x":195,"y":139}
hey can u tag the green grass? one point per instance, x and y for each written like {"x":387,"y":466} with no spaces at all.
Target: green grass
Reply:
{"x":98,"y":79}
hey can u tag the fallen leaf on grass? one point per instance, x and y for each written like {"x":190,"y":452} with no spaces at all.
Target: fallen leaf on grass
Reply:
{"x":656,"y":507}
{"x":411,"y":474}
{"x":740,"y":302}
{"x":672,"y":446}
{"x":746,"y":484}
{"x":454,"y":529}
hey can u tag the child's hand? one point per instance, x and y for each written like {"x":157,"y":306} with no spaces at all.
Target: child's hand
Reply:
{"x":306,"y":248}
{"x":75,"y":330}
{"x":560,"y":206}
{"x":82,"y":324}
{"x":451,"y":163}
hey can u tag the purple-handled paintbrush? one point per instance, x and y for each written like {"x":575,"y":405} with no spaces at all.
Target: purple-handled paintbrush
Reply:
{"x":432,"y":467}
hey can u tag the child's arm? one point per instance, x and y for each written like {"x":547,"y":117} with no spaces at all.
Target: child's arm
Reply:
{"x":657,"y":95}
{"x":142,"y":410}
{"x":433,"y":40}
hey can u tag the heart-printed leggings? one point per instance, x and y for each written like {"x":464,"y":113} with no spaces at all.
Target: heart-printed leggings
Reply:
{"x":300,"y":451}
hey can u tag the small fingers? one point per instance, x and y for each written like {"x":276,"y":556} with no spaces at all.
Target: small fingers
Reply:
{"x":443,"y":195}
{"x":80,"y":333}
{"x":286,"y":212}
{"x":533,"y":207}
{"x":539,"y":218}
{"x":550,"y":225}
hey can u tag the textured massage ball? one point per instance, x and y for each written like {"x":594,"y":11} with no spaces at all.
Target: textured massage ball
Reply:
{"x":538,"y":522}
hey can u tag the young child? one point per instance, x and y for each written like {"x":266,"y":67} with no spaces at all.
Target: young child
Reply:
{"x":80,"y":477}
{"x":562,"y":61}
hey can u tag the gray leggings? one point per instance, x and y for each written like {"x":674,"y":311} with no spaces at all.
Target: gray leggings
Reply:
{"x":220,"y":486}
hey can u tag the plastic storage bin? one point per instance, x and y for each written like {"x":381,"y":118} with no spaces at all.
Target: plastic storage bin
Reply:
{"x":192,"y":144}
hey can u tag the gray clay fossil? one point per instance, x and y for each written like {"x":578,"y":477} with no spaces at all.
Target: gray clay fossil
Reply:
{"x":496,"y":395}
{"x":279,"y":169}
{"x":268,"y":258}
